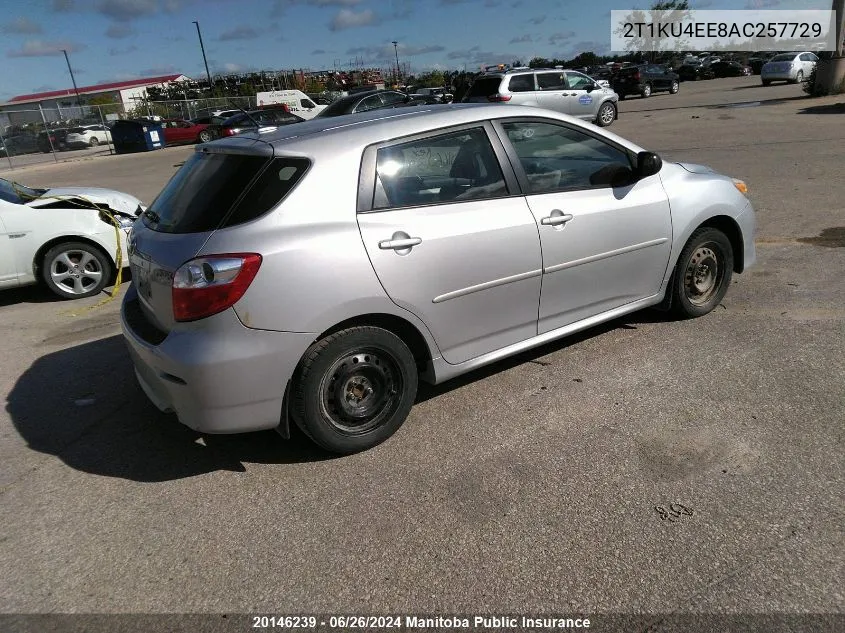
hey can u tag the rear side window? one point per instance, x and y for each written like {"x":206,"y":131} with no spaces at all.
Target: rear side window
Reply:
{"x":205,"y":194}
{"x":521,"y":83}
{"x":484,"y":86}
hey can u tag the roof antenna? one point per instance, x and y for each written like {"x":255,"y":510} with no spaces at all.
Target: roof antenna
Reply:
{"x":248,"y":115}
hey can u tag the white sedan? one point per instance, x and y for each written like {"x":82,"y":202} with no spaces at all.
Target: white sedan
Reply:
{"x":88,"y":136}
{"x":792,"y":68}
{"x":68,"y":238}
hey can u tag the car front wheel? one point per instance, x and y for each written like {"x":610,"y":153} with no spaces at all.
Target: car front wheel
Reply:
{"x":646,"y":91}
{"x":702,"y":274}
{"x":205,"y":136}
{"x":606,"y":115}
{"x":673,"y":89}
{"x":94,"y":141}
{"x":354,"y":389}
{"x":74,"y":270}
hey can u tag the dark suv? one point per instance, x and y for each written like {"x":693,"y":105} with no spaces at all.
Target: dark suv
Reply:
{"x":644,"y":79}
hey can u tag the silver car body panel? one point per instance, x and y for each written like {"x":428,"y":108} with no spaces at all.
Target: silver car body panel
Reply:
{"x":471,"y":286}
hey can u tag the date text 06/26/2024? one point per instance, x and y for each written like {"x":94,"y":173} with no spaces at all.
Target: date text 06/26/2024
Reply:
{"x":406,"y":622}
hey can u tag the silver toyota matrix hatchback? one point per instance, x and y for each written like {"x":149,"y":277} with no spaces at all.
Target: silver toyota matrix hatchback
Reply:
{"x":316,"y":272}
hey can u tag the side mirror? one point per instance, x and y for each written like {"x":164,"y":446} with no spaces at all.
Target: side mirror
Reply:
{"x":648,"y":164}
{"x":590,"y":87}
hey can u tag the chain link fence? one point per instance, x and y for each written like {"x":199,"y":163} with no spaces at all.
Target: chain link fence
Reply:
{"x":40,"y":135}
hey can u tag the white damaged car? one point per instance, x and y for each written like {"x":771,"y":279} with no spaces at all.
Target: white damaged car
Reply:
{"x":68,"y":237}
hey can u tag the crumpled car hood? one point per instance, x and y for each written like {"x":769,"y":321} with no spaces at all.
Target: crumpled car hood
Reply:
{"x":116,"y":200}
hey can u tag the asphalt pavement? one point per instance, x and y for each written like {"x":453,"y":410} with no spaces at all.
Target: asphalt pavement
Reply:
{"x":531,"y":486}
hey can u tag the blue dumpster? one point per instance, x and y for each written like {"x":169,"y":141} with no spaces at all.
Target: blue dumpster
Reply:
{"x":137,"y":135}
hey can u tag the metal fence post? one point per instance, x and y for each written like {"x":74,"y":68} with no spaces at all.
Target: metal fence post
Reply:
{"x":8,"y":157}
{"x":47,"y":132}
{"x":108,"y":133}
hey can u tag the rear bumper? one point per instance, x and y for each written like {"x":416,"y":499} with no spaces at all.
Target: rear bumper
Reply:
{"x":786,"y":75}
{"x":220,"y":377}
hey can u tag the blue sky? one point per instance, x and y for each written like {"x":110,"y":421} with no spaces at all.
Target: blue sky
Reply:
{"x":113,"y":40}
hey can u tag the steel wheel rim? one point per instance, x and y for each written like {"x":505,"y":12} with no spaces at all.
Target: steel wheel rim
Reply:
{"x":703,"y":275}
{"x":205,"y":137}
{"x":75,"y":272}
{"x":607,"y":114}
{"x":361,"y":390}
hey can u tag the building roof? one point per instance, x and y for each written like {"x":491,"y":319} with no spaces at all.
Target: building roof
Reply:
{"x":117,"y":85}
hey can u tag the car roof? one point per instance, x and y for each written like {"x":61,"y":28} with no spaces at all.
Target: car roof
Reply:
{"x":324,"y":136}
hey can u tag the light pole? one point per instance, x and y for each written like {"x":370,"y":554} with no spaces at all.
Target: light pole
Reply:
{"x":396,"y":51}
{"x":205,"y":61}
{"x":73,"y":80}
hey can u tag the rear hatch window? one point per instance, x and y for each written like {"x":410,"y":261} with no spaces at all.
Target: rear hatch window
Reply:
{"x":484,"y":86}
{"x":214,"y":191}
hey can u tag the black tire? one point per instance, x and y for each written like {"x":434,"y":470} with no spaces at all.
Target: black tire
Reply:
{"x":94,"y":142}
{"x":384,"y":372}
{"x":674,"y":87}
{"x":606,"y":114}
{"x":205,"y":137}
{"x":646,"y":91}
{"x":799,"y":78}
{"x":696,"y":287}
{"x":95,"y":272}
{"x":767,"y":82}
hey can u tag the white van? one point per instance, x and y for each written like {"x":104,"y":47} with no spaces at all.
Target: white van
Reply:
{"x":297,"y":102}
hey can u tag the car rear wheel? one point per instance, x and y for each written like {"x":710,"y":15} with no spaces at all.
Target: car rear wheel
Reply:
{"x":606,"y":115}
{"x":702,"y":274}
{"x":799,"y":77}
{"x":673,"y":89}
{"x":74,"y":270}
{"x":646,"y":91}
{"x":354,"y":389}
{"x":205,"y":136}
{"x":94,"y":141}
{"x":767,"y":82}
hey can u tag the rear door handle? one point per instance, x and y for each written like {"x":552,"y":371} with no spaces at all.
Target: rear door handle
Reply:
{"x":399,"y":244}
{"x":556,"y":219}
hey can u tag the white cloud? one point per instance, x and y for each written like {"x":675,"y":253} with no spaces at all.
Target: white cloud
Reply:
{"x":348,"y":19}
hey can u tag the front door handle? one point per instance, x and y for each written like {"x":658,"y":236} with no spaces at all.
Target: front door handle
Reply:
{"x":399,"y":241}
{"x":556,"y":218}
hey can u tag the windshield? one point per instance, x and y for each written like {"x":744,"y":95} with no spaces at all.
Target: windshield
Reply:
{"x":17,"y":193}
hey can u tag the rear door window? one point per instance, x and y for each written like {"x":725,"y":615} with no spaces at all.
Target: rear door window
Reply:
{"x":454,"y":167}
{"x":212,"y":191}
{"x":551,"y":81}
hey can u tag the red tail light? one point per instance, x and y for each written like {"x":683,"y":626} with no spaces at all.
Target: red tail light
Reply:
{"x":230,"y":131}
{"x":207,"y":285}
{"x":499,"y":98}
